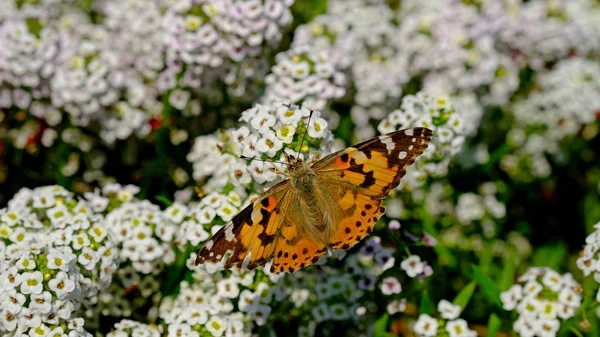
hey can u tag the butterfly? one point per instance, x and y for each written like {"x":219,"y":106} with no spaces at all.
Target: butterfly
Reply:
{"x":332,"y":203}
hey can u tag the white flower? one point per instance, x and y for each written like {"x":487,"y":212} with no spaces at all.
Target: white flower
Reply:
{"x":548,"y":310}
{"x":448,"y":310}
{"x":532,"y":288}
{"x":44,"y":198}
{"x":176,"y":212}
{"x":459,"y":328}
{"x":8,"y":320}
{"x":511,"y":297}
{"x":529,"y":307}
{"x":269,"y":143}
{"x":10,"y":278}
{"x":228,"y":287}
{"x":299,"y":297}
{"x":88,"y":258}
{"x":547,"y":327}
{"x":81,"y":240}
{"x":396,"y":306}
{"x":552,"y":280}
{"x":239,"y":174}
{"x":216,"y":326}
{"x":41,"y":304}
{"x":205,"y":215}
{"x":98,"y":232}
{"x":29,"y":319}
{"x":32,"y":283}
{"x":412,"y":265}
{"x":57,"y":260}
{"x":259,"y":313}
{"x":247,"y":299}
{"x":227,"y":211}
{"x":263,"y":121}
{"x":426,"y":326}
{"x":286,"y":133}
{"x":569,"y":297}
{"x":317,"y":127}
{"x":390,"y":285}
{"x":63,"y":309}
{"x":26,"y":263}
{"x":61,"y":284}
{"x":288,"y":115}
{"x":13,"y":301}
{"x":58,"y":215}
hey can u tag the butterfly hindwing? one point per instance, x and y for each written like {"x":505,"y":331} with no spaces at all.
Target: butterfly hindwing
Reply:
{"x":295,"y":248}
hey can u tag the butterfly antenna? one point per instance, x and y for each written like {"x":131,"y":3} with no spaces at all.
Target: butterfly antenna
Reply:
{"x":304,"y":136}
{"x":268,"y":160}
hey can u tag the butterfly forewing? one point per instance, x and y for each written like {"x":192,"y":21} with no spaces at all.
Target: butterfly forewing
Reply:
{"x":355,"y":180}
{"x":362,"y":175}
{"x":251,"y":235}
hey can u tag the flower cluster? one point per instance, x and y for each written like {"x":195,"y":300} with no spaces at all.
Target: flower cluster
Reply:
{"x":566,"y":102}
{"x":131,"y":328}
{"x":221,"y":40}
{"x":40,"y":291}
{"x":75,"y":230}
{"x":265,"y":133}
{"x":427,"y":326}
{"x":588,"y":261}
{"x":448,"y":124}
{"x":541,"y":298}
{"x":303,"y":76}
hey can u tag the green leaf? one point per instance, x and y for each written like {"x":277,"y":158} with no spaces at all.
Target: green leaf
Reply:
{"x":493,"y":325}
{"x":464,"y":296}
{"x":380,"y":327}
{"x":490,"y":289}
{"x":425,"y":307}
{"x":591,"y":211}
{"x":164,"y":199}
{"x":508,"y":272}
{"x":550,"y":255}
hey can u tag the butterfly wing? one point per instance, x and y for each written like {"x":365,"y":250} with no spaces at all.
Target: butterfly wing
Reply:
{"x":271,"y":227}
{"x":363,"y":175}
{"x":251,"y":235}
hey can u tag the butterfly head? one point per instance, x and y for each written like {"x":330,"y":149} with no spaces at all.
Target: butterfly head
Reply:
{"x":300,"y":173}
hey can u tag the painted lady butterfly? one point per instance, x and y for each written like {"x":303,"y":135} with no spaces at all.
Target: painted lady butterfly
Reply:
{"x":332,"y":203}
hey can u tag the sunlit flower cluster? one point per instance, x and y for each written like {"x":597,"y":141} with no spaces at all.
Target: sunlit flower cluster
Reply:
{"x":40,"y":291}
{"x":542,"y":298}
{"x":265,"y":133}
{"x":428,"y":326}
{"x":75,"y":230}
{"x":447,"y":123}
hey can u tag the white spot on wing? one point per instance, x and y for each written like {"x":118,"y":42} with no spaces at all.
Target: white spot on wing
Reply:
{"x":209,"y":244}
{"x":410,"y":148}
{"x":414,"y":139}
{"x":246,"y":260}
{"x":229,"y":233}
{"x":402,"y":155}
{"x":389,"y":144}
{"x":409,"y":132}
{"x":360,"y":157}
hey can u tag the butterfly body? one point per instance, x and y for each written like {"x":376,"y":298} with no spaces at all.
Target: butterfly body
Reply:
{"x":330,"y":204}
